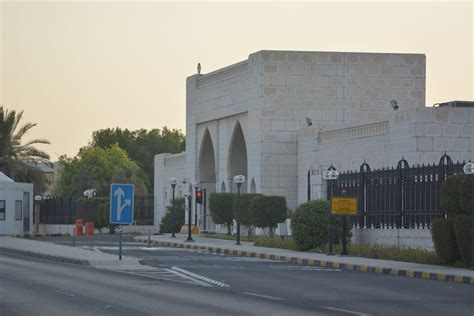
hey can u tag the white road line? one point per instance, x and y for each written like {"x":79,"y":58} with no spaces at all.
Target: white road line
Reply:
{"x":345,"y":311}
{"x":264,"y":296}
{"x":199,"y":277}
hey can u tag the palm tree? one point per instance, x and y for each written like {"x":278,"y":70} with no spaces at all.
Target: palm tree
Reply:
{"x":19,"y":161}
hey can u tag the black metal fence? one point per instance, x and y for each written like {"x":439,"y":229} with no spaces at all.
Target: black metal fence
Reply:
{"x":66,"y":210}
{"x":401,"y":197}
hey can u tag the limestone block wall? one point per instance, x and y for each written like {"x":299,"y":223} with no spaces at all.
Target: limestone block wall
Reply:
{"x":332,"y":89}
{"x":168,"y":166}
{"x":407,"y":238}
{"x":216,"y":101}
{"x":421,"y":136}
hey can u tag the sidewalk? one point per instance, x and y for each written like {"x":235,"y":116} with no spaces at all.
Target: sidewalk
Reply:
{"x":396,"y":268}
{"x":55,"y":252}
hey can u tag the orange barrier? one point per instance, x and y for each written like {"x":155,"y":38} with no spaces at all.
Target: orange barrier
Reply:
{"x":79,"y":227}
{"x":89,"y":228}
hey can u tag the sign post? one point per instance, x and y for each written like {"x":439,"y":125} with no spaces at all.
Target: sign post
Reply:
{"x":344,"y":206}
{"x":121,"y":207}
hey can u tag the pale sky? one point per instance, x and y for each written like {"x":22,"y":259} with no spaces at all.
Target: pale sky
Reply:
{"x":76,"y":67}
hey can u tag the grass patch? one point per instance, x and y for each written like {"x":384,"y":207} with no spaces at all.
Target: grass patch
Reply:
{"x":226,"y":237}
{"x":415,"y":255}
{"x":275,"y":242}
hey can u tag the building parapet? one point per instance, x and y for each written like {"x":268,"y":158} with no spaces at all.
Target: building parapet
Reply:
{"x":223,"y":73}
{"x":374,"y":129}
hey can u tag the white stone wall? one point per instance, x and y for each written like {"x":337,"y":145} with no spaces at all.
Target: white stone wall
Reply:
{"x":168,"y":166}
{"x":407,"y":238}
{"x":332,"y":89}
{"x":421,"y":136}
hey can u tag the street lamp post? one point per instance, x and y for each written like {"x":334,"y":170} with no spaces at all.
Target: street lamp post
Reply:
{"x":239,"y":179}
{"x":37,"y":212}
{"x":196,"y":188}
{"x":469,"y":170}
{"x":330,"y":175}
{"x":173,"y":182}
{"x":190,"y":199}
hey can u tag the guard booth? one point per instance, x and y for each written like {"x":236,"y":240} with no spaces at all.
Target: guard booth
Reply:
{"x":16,"y":207}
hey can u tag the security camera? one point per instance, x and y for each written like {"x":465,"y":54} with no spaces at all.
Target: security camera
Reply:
{"x":90,"y":193}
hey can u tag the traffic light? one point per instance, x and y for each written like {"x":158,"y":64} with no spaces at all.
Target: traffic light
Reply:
{"x":199,"y":196}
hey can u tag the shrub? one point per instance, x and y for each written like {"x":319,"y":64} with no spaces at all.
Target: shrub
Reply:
{"x":309,"y":225}
{"x":451,"y":195}
{"x":462,"y":229}
{"x":166,"y":221}
{"x":444,"y":240}
{"x":245,"y":201}
{"x":221,"y":206}
{"x":268,"y":211}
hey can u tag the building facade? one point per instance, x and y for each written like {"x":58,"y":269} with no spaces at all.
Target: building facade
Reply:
{"x":279,"y":114}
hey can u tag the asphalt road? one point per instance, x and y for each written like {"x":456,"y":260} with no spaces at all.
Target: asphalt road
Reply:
{"x":258,"y":286}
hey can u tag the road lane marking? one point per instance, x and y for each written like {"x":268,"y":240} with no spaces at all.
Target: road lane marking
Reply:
{"x":199,"y":277}
{"x":264,"y":296}
{"x":345,"y":311}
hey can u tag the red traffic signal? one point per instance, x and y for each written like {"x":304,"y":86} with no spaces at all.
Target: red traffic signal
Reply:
{"x":199,"y":197}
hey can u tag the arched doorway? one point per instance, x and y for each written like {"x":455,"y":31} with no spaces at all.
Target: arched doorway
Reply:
{"x":207,"y":174}
{"x":238,"y":155}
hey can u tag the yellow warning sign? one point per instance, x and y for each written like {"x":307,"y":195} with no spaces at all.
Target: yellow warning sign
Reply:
{"x":343,"y":206}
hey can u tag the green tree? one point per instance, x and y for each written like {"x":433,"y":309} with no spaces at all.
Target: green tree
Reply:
{"x":97,"y":168}
{"x":141,"y":145}
{"x":19,"y":161}
{"x":165,"y":225}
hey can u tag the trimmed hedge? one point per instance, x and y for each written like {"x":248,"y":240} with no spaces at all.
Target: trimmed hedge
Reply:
{"x":465,"y":195}
{"x":245,"y":201}
{"x":268,"y":211}
{"x":451,"y":195}
{"x":444,"y":240}
{"x":166,"y":221}
{"x":221,"y":206}
{"x":462,"y":229}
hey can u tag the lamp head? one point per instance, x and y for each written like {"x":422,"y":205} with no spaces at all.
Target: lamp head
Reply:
{"x":239,"y":179}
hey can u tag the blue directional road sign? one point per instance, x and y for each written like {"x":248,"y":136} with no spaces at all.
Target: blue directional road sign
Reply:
{"x":121,"y":203}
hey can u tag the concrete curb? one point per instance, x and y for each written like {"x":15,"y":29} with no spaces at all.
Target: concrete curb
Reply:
{"x":323,"y":263}
{"x":44,"y":256}
{"x":40,"y":235}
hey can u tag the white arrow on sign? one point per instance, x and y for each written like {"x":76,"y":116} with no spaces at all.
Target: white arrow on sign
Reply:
{"x":119,"y":193}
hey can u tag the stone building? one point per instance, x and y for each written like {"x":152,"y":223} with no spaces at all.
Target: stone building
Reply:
{"x":279,"y":114}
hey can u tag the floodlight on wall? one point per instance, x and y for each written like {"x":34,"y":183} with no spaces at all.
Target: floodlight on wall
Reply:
{"x":394,"y":105}
{"x":309,"y":122}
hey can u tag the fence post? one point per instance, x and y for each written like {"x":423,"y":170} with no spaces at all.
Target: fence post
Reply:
{"x":362,"y":193}
{"x":402,"y":164}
